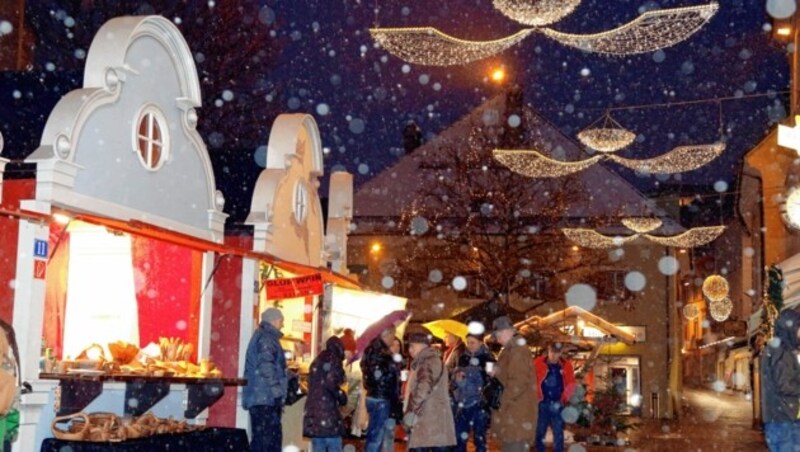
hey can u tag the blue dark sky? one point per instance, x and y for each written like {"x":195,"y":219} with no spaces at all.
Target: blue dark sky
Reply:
{"x":318,"y":58}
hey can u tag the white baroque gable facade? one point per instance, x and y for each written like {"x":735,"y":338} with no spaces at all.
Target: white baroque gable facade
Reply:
{"x":286,"y":212}
{"x":126,"y":145}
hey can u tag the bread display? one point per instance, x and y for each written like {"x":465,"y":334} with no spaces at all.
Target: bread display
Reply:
{"x":102,"y":427}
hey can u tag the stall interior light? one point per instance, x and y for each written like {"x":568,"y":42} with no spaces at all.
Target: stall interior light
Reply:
{"x":784,"y":30}
{"x":61,"y":218}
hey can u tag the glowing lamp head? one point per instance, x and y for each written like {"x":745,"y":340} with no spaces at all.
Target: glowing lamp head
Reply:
{"x":498,"y":75}
{"x":784,"y":31}
{"x":375,"y":248}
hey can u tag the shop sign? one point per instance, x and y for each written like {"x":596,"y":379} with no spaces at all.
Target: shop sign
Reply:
{"x":39,"y":269}
{"x":302,"y":286}
{"x":735,"y":328}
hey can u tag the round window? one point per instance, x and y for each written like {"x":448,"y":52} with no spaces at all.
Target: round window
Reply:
{"x":300,"y":202}
{"x":151,"y":140}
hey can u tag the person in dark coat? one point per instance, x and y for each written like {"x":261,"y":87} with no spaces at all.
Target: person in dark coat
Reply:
{"x":780,"y":385}
{"x":267,"y":381}
{"x":382,"y":383}
{"x":322,"y":421}
{"x":469,"y":378}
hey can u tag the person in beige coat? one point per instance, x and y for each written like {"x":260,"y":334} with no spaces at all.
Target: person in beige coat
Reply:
{"x":428,"y":416}
{"x":514,"y":423}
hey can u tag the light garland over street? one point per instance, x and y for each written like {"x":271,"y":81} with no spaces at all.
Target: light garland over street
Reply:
{"x":589,"y":238}
{"x":681,"y":159}
{"x":651,"y":31}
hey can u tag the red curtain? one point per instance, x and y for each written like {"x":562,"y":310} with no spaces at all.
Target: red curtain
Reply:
{"x":165,"y":277}
{"x":55,"y":298}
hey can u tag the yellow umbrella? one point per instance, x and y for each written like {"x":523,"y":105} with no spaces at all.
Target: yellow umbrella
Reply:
{"x":440,"y":328}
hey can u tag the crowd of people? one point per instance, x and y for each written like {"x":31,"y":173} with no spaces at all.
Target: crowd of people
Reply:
{"x":442,"y":400}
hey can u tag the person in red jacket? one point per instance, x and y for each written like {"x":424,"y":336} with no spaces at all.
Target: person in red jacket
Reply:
{"x":555,"y":385}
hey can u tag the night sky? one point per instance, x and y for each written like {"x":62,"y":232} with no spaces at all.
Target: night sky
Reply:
{"x":261,"y":58}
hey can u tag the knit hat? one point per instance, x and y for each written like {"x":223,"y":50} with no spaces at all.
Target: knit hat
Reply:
{"x":271,"y":314}
{"x":502,"y":323}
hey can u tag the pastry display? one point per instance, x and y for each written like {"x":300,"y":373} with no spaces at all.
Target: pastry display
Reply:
{"x":103,"y":427}
{"x":171,"y":357}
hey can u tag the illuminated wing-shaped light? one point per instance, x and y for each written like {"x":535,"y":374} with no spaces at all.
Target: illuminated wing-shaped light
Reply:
{"x":536,"y":12}
{"x":691,"y":238}
{"x":589,"y":238}
{"x":651,"y":31}
{"x":429,"y":46}
{"x":534,"y":164}
{"x":678,"y":160}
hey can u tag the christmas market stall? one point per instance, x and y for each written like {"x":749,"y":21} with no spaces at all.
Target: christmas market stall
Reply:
{"x":115,"y":250}
{"x":287,"y":220}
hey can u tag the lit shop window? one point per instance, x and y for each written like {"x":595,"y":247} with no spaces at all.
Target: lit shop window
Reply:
{"x":152,"y":143}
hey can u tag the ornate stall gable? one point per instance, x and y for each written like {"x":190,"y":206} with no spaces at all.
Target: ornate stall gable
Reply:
{"x":125,"y":146}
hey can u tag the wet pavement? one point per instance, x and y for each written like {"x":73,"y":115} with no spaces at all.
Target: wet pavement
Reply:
{"x":710,"y":421}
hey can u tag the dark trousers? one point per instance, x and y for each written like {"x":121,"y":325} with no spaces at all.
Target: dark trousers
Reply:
{"x":265,"y":429}
{"x":550,"y":415}
{"x":379,"y":411}
{"x":473,"y":418}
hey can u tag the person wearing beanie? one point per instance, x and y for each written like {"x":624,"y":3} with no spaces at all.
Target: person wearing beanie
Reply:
{"x":515,"y":421}
{"x":267,"y":381}
{"x":780,"y":384}
{"x":428,"y":417}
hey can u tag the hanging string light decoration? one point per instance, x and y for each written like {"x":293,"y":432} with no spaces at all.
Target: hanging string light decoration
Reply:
{"x":691,"y":311}
{"x":641,"y":224}
{"x":681,"y":159}
{"x":534,"y":164}
{"x":720,"y":310}
{"x":692,"y":238}
{"x":651,"y":31}
{"x":430,"y":47}
{"x":716,"y":287}
{"x":678,"y":160}
{"x":589,"y":238}
{"x":536,"y":12}
{"x":609,"y":137}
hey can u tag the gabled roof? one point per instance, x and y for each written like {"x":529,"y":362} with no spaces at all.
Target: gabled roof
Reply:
{"x":572,"y":315}
{"x":388,"y":193}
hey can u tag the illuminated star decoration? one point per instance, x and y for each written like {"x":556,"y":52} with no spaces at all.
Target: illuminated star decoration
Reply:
{"x":589,"y":238}
{"x":678,"y":160}
{"x":650,"y":31}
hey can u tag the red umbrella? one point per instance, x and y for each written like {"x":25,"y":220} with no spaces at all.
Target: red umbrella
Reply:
{"x":390,"y":320}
